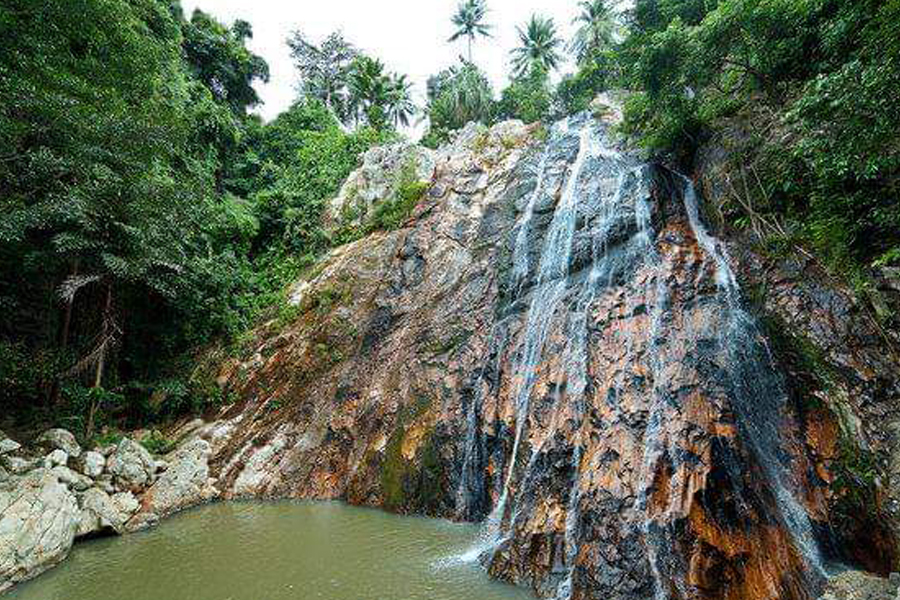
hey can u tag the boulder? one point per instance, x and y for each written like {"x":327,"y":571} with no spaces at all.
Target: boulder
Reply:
{"x":19,"y":466}
{"x":126,"y":503}
{"x":185,"y":483}
{"x":99,"y":513}
{"x":377,"y":180}
{"x":72,"y":479}
{"x":132,"y":465}
{"x":38,"y":520}
{"x":8,"y":445}
{"x":60,"y":439}
{"x":57,"y":457}
{"x":93,"y":464}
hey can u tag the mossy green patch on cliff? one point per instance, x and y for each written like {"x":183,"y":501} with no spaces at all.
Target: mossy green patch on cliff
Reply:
{"x":398,"y":476}
{"x":439,"y":347}
{"x":388,"y":214}
{"x":804,"y":362}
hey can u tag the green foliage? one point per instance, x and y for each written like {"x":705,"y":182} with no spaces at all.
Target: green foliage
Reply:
{"x":378,"y":98}
{"x":597,"y":30}
{"x":147,"y":213}
{"x":157,"y":443}
{"x":539,"y":49}
{"x":290,"y":209}
{"x":814,"y":79}
{"x":527,"y":98}
{"x":574,"y":93}
{"x":855,"y":479}
{"x":219,"y":58}
{"x":457,"y":96}
{"x":324,"y":70}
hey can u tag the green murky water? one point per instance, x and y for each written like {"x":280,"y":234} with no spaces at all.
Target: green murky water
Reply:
{"x":277,"y":551}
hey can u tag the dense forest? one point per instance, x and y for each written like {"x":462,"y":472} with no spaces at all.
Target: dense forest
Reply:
{"x":148,"y":213}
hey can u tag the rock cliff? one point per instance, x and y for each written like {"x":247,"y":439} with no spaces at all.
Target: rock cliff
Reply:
{"x":554,"y":343}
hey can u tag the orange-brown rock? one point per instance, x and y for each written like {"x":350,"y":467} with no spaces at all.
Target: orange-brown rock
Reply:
{"x":673,"y":440}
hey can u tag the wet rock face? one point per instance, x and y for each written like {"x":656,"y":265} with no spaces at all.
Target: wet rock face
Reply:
{"x":557,"y":345}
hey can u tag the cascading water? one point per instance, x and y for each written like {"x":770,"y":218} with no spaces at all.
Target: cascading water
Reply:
{"x":601,"y":232}
{"x":759,"y":397}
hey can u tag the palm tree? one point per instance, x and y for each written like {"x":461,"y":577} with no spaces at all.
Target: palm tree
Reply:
{"x":400,"y":107}
{"x":469,"y":22}
{"x":459,"y":95}
{"x":368,"y":88}
{"x":377,"y":96}
{"x":539,"y":48}
{"x":596,"y":30}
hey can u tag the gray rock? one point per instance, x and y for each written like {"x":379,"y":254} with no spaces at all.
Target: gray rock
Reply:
{"x":99,"y":513}
{"x":73,"y":480}
{"x":132,"y":465}
{"x":377,"y":178}
{"x":8,"y":445}
{"x":105,"y":483}
{"x":4,"y":474}
{"x":19,"y":466}
{"x":126,"y":503}
{"x":57,"y":457}
{"x":856,"y":585}
{"x":185,"y":483}
{"x":62,"y":440}
{"x":38,"y":519}
{"x":93,"y":464}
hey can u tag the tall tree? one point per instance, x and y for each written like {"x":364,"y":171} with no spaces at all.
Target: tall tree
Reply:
{"x":540,"y":46}
{"x":220,"y":59}
{"x":324,"y":70}
{"x":457,"y":96}
{"x":596,"y":30}
{"x":469,"y":23}
{"x":370,"y":89}
{"x":399,"y":102}
{"x":99,"y":182}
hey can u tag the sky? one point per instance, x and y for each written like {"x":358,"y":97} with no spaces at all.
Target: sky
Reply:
{"x":409,"y":36}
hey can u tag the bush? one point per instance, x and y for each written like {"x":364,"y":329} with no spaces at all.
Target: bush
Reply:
{"x":527,"y":98}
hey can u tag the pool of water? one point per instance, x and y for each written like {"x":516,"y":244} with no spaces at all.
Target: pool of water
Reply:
{"x":276,"y":551}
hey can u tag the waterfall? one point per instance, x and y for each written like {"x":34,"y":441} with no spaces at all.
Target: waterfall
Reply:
{"x":599,"y":234}
{"x":759,"y":397}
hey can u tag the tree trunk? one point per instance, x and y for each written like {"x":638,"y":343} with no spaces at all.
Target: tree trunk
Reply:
{"x":64,"y":337}
{"x":101,"y":362}
{"x":104,"y":334}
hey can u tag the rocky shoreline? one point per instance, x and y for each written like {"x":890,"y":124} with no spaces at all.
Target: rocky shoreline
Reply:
{"x":53,"y":493}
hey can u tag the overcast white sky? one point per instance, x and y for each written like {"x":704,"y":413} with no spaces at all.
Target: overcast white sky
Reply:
{"x":410,"y":36}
